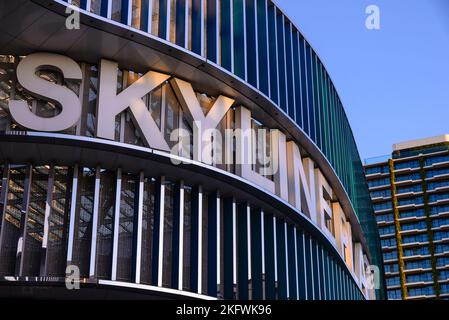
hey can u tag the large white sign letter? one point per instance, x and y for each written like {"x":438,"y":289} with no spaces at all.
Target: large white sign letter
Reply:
{"x":110,"y":104}
{"x":66,"y":98}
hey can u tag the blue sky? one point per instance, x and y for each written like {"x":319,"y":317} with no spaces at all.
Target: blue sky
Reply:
{"x":394,"y":82}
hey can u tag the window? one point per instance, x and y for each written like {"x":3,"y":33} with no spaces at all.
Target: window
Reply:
{"x":424,"y":291}
{"x":420,"y":264}
{"x":392,"y":255}
{"x":137,"y":17}
{"x":435,"y":160}
{"x":439,"y":209}
{"x":127,"y":229}
{"x":391,"y":242}
{"x":204,"y":249}
{"x":406,"y":165}
{"x":394,"y":294}
{"x":35,"y":220}
{"x":437,"y":185}
{"x":383,"y":206}
{"x":415,"y":238}
{"x":387,"y":230}
{"x":391,"y":268}
{"x":414,"y":226}
{"x":83,"y":220}
{"x":147,"y":230}
{"x":59,"y":221}
{"x":443,"y":275}
{"x":168,"y":234}
{"x":395,"y":281}
{"x":437,"y":172}
{"x":411,"y":214}
{"x":381,"y":194}
{"x":155,"y":18}
{"x":422,"y":251}
{"x":117,"y":11}
{"x":99,"y":7}
{"x":408,"y":201}
{"x":172,"y":110}
{"x":415,"y":188}
{"x":436,"y":223}
{"x":108,"y":184}
{"x":441,"y":235}
{"x":408,"y":177}
{"x":379,"y":182}
{"x":422,"y":277}
{"x":444,"y":289}
{"x":441,"y":248}
{"x":438,"y":197}
{"x":377,"y":170}
{"x":385,"y":218}
{"x":187,"y":238}
{"x":12,"y":219}
{"x":443,"y":262}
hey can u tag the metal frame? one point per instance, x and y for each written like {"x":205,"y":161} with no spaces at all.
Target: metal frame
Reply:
{"x":160,"y":262}
{"x":139,"y":227}
{"x":93,"y":249}
{"x":44,"y":256}
{"x":24,"y":220}
{"x":181,"y":237}
{"x":296,"y":262}
{"x":200,"y":240}
{"x":286,"y":261}
{"x":115,"y":238}
{"x":248,"y":231}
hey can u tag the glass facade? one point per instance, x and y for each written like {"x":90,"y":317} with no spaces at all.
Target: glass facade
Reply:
{"x":285,"y":68}
{"x":117,"y":251}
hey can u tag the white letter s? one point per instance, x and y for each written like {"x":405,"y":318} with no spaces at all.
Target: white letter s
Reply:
{"x":69,"y":101}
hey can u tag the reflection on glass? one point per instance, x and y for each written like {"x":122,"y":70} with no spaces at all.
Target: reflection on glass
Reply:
{"x":6,"y":88}
{"x":35,"y":221}
{"x":108,"y":184}
{"x":168,"y":235}
{"x":187,"y":224}
{"x":172,"y":109}
{"x":83,"y":220}
{"x":2,"y":196}
{"x":58,"y":221}
{"x":136,"y":14}
{"x":147,"y":231}
{"x":88,"y":126}
{"x":221,"y":254}
{"x":204,"y":242}
{"x":155,"y":18}
{"x":128,"y":214}
{"x":172,"y":21}
{"x":116,"y":11}
{"x":154,"y":104}
{"x":11,"y":221}
{"x":131,"y":134}
{"x":96,"y":6}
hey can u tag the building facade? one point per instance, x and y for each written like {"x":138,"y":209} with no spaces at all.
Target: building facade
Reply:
{"x":167,"y":149}
{"x":410,"y":195}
